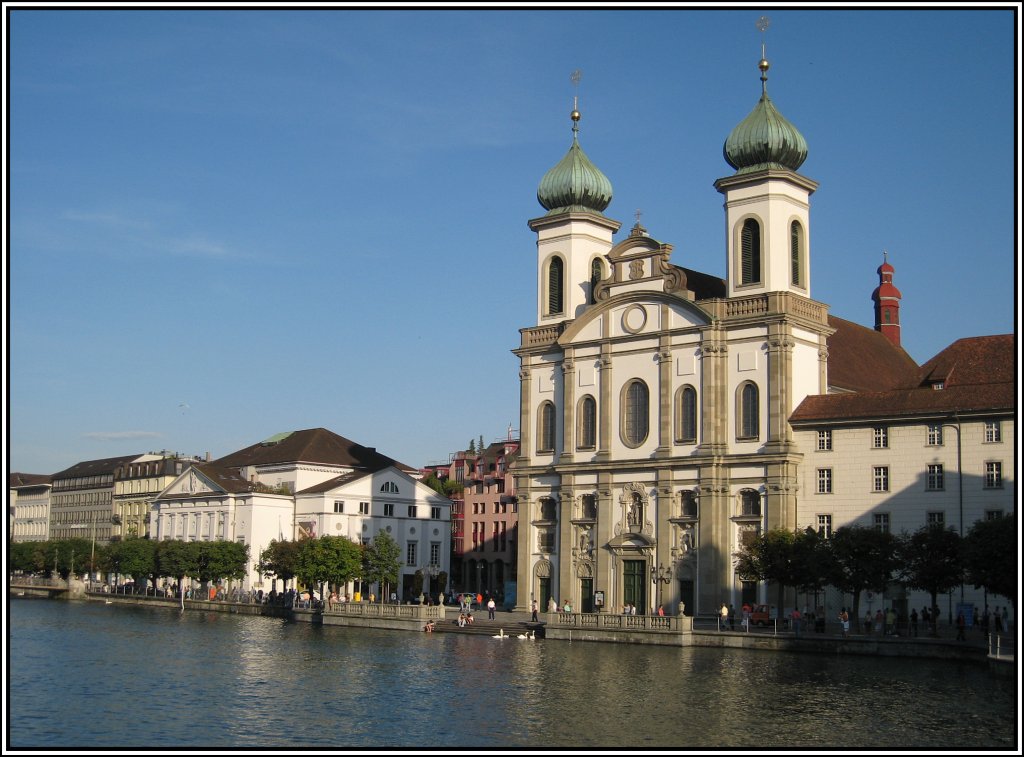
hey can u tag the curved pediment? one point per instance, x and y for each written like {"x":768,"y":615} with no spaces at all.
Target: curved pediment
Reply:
{"x":634,"y":313}
{"x":631,"y":541}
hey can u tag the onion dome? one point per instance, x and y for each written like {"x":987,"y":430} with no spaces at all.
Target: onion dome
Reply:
{"x":575,"y":183}
{"x":765,"y":139}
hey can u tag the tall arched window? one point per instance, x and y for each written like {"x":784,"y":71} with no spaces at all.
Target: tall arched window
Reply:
{"x":686,"y":415}
{"x":555,"y":277}
{"x":750,"y":252}
{"x":796,"y":253}
{"x":747,"y":412}
{"x":546,"y":428}
{"x":596,"y":274}
{"x":586,"y":432}
{"x":635,"y":413}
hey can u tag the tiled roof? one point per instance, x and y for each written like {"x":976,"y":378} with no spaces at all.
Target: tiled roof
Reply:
{"x":978,"y":374}
{"x":227,"y":479}
{"x":703,"y":285}
{"x":314,"y":445}
{"x":18,"y":480}
{"x":972,"y":361}
{"x":94,"y":467}
{"x":863,"y":360}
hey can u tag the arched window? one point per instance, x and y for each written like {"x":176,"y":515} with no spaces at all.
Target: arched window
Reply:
{"x":796,"y":253}
{"x":686,"y":415}
{"x":555,"y":276}
{"x":546,"y":428}
{"x":596,"y":274}
{"x":747,"y":412}
{"x":687,"y":504}
{"x":750,"y":252}
{"x":635,"y":413}
{"x":750,"y":504}
{"x":586,"y":420}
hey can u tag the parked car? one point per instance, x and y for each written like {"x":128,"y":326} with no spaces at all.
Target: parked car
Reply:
{"x":760,"y":615}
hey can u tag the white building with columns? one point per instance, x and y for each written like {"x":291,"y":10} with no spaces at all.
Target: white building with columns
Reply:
{"x":294,"y":485}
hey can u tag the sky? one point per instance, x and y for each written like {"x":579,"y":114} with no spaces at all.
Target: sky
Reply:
{"x":223,"y":224}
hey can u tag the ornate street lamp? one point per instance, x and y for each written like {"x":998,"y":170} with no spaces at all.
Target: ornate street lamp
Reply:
{"x":661,"y":575}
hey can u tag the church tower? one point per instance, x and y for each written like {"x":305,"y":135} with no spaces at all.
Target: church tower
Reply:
{"x":574,"y":236}
{"x":767,"y":203}
{"x":887,"y":302}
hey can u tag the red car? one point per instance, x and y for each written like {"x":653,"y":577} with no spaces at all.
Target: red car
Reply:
{"x":760,"y":616}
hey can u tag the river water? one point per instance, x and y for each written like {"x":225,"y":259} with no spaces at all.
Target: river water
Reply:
{"x":90,"y":676}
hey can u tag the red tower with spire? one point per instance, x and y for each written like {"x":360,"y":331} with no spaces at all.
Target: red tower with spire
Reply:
{"x":887,"y":302}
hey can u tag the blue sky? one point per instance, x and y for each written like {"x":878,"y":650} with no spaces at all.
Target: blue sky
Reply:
{"x":224,"y":224}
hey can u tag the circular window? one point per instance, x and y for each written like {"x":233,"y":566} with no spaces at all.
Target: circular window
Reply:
{"x":435,"y":532}
{"x":634,"y":319}
{"x":412,"y":529}
{"x":388,"y":529}
{"x":337,"y":526}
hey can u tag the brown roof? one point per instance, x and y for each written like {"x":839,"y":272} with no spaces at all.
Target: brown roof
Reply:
{"x":94,"y":467}
{"x":979,"y":377}
{"x":18,"y":480}
{"x":972,"y":361}
{"x":703,"y":285}
{"x":863,"y":360}
{"x":314,"y":445}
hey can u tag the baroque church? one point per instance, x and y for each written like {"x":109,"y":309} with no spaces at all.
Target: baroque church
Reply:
{"x":655,"y":400}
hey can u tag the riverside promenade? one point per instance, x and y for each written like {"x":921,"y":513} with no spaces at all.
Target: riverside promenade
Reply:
{"x":998,"y":651}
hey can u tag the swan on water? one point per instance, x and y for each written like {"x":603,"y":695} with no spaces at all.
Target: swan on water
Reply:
{"x":500,"y":634}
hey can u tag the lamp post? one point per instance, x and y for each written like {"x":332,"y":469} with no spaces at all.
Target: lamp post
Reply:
{"x":660,"y":575}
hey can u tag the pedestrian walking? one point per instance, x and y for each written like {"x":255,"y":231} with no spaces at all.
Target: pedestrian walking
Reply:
{"x":723,"y":617}
{"x":732,"y":618}
{"x":961,"y":624}
{"x":490,"y":608}
{"x":533,"y":611}
{"x":913,"y":622}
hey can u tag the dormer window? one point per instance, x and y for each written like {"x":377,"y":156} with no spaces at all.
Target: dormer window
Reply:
{"x":938,"y":385}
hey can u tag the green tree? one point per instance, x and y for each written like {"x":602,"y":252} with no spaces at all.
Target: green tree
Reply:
{"x":222,"y":559}
{"x":176,"y":559}
{"x":328,"y":559}
{"x":931,"y":560}
{"x":68,"y":555}
{"x":813,"y":561}
{"x":417,"y":583}
{"x":381,"y":562}
{"x":28,"y":556}
{"x":472,"y":447}
{"x":990,"y":556}
{"x":278,"y":560}
{"x":131,"y":557}
{"x":864,"y":560}
{"x":768,"y":557}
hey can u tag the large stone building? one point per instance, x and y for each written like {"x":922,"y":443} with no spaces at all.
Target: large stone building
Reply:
{"x":307,"y":483}
{"x":82,"y":499}
{"x":136,"y":485}
{"x":655,"y":400}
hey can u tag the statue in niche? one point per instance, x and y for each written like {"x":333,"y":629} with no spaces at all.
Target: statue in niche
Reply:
{"x":635,"y":516}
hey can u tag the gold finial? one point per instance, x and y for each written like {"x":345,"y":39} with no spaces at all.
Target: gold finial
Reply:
{"x":575,"y":115}
{"x":762,"y":26}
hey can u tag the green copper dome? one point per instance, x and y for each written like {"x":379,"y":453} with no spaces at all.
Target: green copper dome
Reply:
{"x":574,"y":184}
{"x":765,"y":139}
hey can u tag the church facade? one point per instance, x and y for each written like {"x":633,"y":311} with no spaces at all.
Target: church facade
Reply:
{"x":654,"y":399}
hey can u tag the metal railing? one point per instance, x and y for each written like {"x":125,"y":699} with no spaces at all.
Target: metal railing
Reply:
{"x":611,"y":621}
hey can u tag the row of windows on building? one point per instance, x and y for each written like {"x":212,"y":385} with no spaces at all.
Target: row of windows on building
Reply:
{"x":934,"y":477}
{"x":750,"y":268}
{"x":882,"y":521}
{"x":499,"y":536}
{"x":363,"y":508}
{"x":499,"y":508}
{"x":933,"y":435}
{"x":635,"y":417}
{"x":412,"y":553}
{"x":83,"y":482}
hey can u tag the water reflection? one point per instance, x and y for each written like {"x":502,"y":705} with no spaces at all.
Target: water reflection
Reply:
{"x":143,"y":677}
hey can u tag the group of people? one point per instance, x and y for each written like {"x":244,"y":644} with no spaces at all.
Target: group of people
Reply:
{"x":465,"y":619}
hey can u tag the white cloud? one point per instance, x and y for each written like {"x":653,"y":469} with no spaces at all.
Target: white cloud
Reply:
{"x":107,"y":436}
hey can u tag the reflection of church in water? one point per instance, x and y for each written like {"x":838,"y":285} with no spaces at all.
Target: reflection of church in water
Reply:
{"x":655,"y":398}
